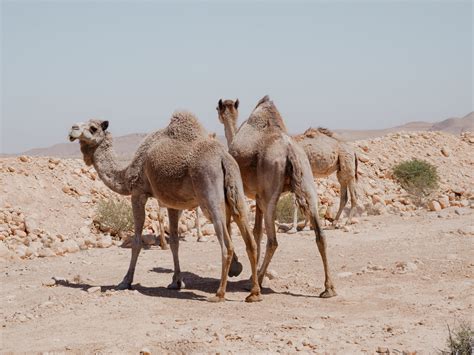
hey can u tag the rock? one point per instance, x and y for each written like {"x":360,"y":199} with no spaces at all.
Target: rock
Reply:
{"x":382,"y":350}
{"x":45,"y":252}
{"x":363,"y":158}
{"x":403,"y":267}
{"x":20,"y":250}
{"x":466,"y":230}
{"x":20,"y":233}
{"x":445,"y":151}
{"x":203,"y":239}
{"x":271,"y":274}
{"x":208,"y":229}
{"x":461,"y":211}
{"x":49,"y":282}
{"x":145,"y":351}
{"x":105,"y":242}
{"x":93,"y":289}
{"x":70,"y":246}
{"x":444,"y":201}
{"x":5,"y":253}
{"x":24,"y":159}
{"x":66,"y":189}
{"x":85,"y":230}
{"x":345,"y":274}
{"x":434,"y":206}
{"x":85,"y":199}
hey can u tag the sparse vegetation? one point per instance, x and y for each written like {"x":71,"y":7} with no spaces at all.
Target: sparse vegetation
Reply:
{"x":285,"y":209}
{"x":114,"y":215}
{"x":460,"y":340}
{"x":418,"y":177}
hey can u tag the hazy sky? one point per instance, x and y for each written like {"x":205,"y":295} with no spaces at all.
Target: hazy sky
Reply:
{"x":349,"y":64}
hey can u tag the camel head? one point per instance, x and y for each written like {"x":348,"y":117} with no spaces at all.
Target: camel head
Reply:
{"x":228,"y":110}
{"x":90,"y":133}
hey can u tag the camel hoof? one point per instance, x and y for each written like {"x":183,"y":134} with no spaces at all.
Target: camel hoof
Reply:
{"x":176,"y":285}
{"x":215,"y":299}
{"x":235,"y":269}
{"x":328,"y":293}
{"x":253,"y":297}
{"x":124,"y":286}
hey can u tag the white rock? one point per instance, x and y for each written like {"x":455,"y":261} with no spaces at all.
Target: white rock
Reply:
{"x":434,"y":206}
{"x":344,"y":274}
{"x":70,"y":246}
{"x":208,"y":229}
{"x":49,"y":282}
{"x":93,"y":289}
{"x":104,"y":242}
{"x":45,"y":252}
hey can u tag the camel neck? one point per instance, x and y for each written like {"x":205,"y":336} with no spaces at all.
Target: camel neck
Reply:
{"x":105,"y":163}
{"x":230,"y":127}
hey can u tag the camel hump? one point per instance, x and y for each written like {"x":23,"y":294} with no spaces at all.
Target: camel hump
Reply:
{"x":185,"y":126}
{"x":313,"y":132}
{"x":264,"y":99}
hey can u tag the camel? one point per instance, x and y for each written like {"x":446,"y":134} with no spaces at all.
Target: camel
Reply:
{"x":182,"y":168}
{"x":271,"y":162}
{"x":326,"y":154}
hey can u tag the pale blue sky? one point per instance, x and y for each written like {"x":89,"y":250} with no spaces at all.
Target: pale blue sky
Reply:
{"x":350,"y":64}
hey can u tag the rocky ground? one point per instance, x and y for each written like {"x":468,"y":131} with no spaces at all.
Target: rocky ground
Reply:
{"x":403,"y":272}
{"x":400,"y":282}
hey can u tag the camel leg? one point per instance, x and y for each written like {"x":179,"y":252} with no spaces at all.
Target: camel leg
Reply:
{"x":295,"y":216}
{"x":251,"y":248}
{"x":173,"y":217}
{"x":226,"y":253}
{"x":197,"y":223}
{"x":258,"y":230}
{"x":353,"y":193}
{"x":311,"y":201}
{"x":138,"y":207}
{"x":236,"y":266}
{"x":272,"y":243}
{"x":342,"y":201}
{"x":163,"y":243}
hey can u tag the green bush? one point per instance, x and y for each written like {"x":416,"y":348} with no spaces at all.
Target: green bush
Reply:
{"x":285,"y":209}
{"x":418,"y":177}
{"x":114,"y":215}
{"x":460,"y":341}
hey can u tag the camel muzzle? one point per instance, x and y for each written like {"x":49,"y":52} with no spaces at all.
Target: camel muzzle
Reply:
{"x":75,"y":133}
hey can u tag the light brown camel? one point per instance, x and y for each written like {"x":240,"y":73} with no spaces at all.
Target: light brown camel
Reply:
{"x":326,"y":155}
{"x":183,"y":168}
{"x":271,"y":162}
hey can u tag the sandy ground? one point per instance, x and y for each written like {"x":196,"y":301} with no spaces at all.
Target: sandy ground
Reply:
{"x":378,"y":303}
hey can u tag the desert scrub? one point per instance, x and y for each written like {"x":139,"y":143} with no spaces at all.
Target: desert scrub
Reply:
{"x":460,"y":340}
{"x":285,"y":209}
{"x":418,"y":177}
{"x":114,"y":216}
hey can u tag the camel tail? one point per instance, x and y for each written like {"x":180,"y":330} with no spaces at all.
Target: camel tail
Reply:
{"x":295,"y":167}
{"x":233,"y":188}
{"x":356,"y":172}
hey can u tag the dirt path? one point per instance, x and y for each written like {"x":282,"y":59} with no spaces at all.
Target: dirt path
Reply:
{"x":404,"y":308}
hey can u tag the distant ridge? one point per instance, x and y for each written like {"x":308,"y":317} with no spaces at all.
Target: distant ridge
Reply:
{"x":126,"y":145}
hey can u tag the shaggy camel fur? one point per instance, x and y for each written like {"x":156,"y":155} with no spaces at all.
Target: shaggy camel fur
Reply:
{"x":326,"y":155}
{"x":271,"y":162}
{"x":183,"y":168}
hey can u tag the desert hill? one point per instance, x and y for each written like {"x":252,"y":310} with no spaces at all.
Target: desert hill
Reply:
{"x":126,"y":145}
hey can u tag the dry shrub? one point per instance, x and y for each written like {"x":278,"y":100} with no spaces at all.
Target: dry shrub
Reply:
{"x":285,"y":209}
{"x":114,"y":216}
{"x":418,"y":177}
{"x":460,"y":341}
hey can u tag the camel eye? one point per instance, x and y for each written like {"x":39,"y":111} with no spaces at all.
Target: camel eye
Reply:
{"x":93,"y":129}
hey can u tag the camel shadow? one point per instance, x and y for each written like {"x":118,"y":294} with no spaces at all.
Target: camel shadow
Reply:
{"x":144,"y":290}
{"x":210,"y":285}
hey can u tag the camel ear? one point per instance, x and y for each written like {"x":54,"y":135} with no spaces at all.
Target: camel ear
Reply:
{"x":236,"y":104}
{"x":104,"y":125}
{"x":221,"y":105}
